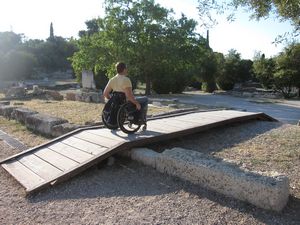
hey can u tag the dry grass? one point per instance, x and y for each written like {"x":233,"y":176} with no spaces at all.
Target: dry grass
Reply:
{"x":74,"y":111}
{"x":21,"y":133}
{"x":276,"y":150}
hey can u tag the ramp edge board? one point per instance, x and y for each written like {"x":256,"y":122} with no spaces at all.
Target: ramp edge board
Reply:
{"x":124,"y":146}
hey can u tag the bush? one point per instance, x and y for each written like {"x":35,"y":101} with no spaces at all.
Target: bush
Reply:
{"x":100,"y":80}
{"x":224,"y":83}
{"x":209,"y":86}
{"x":17,"y":65}
{"x":166,"y":84}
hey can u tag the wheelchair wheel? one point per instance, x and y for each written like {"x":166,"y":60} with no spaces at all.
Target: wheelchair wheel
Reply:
{"x":125,"y":119}
{"x":106,"y":124}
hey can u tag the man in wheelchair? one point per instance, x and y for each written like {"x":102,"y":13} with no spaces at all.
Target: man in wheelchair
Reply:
{"x":123,"y":109}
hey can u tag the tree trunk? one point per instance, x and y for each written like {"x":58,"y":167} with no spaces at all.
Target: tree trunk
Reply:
{"x":148,"y":85}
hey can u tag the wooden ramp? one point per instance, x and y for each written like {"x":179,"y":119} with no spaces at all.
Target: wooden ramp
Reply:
{"x":74,"y":152}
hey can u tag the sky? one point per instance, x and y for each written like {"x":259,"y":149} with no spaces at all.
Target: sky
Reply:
{"x":33,"y":18}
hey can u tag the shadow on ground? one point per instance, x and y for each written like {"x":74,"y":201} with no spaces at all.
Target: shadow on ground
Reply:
{"x":220,"y":138}
{"x":127,"y":179}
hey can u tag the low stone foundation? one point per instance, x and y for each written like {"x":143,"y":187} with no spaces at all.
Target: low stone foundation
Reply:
{"x":64,"y":128}
{"x":267,"y":191}
{"x":6,"y":110}
{"x":43,"y":123}
{"x":20,"y":114}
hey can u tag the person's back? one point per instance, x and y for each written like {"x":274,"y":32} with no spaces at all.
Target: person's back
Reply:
{"x":121,"y":83}
{"x":122,"y":91}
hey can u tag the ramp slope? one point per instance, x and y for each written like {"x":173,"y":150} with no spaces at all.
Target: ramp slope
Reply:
{"x":68,"y":155}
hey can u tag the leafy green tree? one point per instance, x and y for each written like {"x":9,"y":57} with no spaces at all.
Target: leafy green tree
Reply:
{"x":264,"y":70}
{"x":207,"y":70}
{"x":9,"y":41}
{"x":246,"y":70}
{"x":287,"y":75}
{"x":92,"y":28}
{"x":17,"y":65}
{"x":52,"y":55}
{"x":284,"y":10}
{"x":231,"y":71}
{"x":159,"y":50}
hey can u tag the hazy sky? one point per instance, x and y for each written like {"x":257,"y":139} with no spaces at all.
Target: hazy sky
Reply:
{"x":33,"y":18}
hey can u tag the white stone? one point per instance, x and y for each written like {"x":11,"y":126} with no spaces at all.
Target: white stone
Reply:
{"x":145,"y":156}
{"x":88,"y":79}
{"x":264,"y":190}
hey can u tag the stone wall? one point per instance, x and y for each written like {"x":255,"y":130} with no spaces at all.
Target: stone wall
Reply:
{"x":265,"y":190}
{"x":40,"y":123}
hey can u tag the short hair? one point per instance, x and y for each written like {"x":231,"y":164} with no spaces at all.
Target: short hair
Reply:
{"x":120,"y":67}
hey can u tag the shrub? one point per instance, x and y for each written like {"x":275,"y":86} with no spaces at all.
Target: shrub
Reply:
{"x":224,"y":83}
{"x":209,"y":86}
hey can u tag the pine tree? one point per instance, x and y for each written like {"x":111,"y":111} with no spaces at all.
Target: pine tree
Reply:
{"x":51,"y":37}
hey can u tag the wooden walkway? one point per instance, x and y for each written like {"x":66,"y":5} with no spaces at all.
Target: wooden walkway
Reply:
{"x":68,"y":155}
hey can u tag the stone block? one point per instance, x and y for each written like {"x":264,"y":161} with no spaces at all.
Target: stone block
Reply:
{"x":71,"y":96}
{"x":4,"y":102}
{"x":96,"y":97}
{"x":17,"y":92}
{"x":264,"y":190}
{"x":43,"y":123}
{"x":36,"y":90}
{"x":20,"y":114}
{"x":6,"y":110}
{"x":145,"y":156}
{"x":64,"y":128}
{"x":55,"y":95}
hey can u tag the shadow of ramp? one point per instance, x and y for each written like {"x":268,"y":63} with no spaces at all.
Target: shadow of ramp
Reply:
{"x":220,"y":138}
{"x":127,"y":179}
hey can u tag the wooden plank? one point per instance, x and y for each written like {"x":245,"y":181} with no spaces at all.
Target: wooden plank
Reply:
{"x":70,"y":152}
{"x":58,"y":160}
{"x":201,"y":119}
{"x":22,"y":174}
{"x":203,"y":115}
{"x":159,"y":126}
{"x":84,"y":145}
{"x":102,"y":141}
{"x":173,"y":123}
{"x":117,"y":135}
{"x":39,"y":166}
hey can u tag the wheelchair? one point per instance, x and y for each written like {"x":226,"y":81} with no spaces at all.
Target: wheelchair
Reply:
{"x":119,"y":113}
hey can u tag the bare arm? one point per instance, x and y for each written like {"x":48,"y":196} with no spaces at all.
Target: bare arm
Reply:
{"x":106,"y":92}
{"x":131,"y":98}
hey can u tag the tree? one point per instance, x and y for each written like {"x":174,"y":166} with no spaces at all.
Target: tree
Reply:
{"x":264,"y":70}
{"x":9,"y":41}
{"x":160,"y":50}
{"x":17,"y":65}
{"x":51,"y":36}
{"x":287,"y":75}
{"x":231,"y":71}
{"x":285,"y":10}
{"x":51,"y":55}
{"x":246,"y":70}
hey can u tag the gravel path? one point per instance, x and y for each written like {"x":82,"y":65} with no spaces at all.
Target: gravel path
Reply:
{"x":130,"y":193}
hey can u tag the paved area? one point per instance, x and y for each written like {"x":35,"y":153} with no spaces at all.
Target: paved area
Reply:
{"x":14,"y":143}
{"x":282,"y":110}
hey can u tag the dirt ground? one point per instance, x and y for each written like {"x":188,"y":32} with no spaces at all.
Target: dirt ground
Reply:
{"x":130,"y":193}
